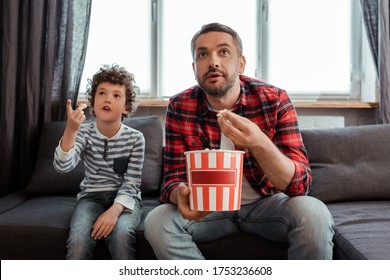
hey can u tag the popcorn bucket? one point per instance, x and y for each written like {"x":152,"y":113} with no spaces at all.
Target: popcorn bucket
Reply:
{"x":214,"y":179}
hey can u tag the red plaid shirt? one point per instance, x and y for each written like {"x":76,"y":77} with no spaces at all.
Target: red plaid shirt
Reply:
{"x":190,"y":125}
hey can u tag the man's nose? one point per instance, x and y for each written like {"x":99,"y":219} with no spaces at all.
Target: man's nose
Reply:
{"x":214,"y":61}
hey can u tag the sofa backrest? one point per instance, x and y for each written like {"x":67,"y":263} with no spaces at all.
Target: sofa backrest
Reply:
{"x":47,"y":181}
{"x":349,"y":164}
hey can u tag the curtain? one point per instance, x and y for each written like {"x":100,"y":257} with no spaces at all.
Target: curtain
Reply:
{"x":42,"y":53}
{"x":370,"y":18}
{"x":384,"y":61}
{"x":376,"y":19}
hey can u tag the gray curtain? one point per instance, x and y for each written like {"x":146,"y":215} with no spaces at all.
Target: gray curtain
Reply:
{"x":42,"y":53}
{"x":376,"y":19}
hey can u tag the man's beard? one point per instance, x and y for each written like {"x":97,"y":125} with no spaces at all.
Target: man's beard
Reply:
{"x":217,"y":91}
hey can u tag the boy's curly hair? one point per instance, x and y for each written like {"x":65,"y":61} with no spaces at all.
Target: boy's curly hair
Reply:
{"x":116,"y":75}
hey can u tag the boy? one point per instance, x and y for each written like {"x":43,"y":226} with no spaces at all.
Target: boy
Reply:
{"x":109,"y":203}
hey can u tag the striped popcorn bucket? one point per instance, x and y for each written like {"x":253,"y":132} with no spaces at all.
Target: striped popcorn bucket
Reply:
{"x":214,"y":179}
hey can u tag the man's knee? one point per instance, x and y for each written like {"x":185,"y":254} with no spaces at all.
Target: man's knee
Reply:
{"x":159,"y":217}
{"x":311,"y":211}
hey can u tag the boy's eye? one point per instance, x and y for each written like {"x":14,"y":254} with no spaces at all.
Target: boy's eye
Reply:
{"x":101,"y":93}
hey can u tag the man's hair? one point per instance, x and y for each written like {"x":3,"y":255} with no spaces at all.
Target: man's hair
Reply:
{"x":217,"y":27}
{"x":116,"y":75}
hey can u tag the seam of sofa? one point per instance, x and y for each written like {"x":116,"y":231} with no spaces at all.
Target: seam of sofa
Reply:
{"x":351,"y":250}
{"x":23,"y":198}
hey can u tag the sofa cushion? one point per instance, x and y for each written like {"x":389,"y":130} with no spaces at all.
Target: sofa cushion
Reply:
{"x":350,"y":163}
{"x":151,"y":128}
{"x":47,"y":181}
{"x":361,"y":230}
{"x":36,"y":229}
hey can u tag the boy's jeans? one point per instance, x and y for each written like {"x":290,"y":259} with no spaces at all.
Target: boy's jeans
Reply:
{"x":121,"y":241}
{"x":303,"y":221}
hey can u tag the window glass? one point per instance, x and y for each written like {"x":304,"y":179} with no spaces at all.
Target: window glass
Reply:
{"x":309,"y":47}
{"x":182,"y":19}
{"x":119,"y":33}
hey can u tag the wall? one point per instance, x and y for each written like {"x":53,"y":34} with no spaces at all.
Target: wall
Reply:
{"x":352,"y":117}
{"x":308,"y":117}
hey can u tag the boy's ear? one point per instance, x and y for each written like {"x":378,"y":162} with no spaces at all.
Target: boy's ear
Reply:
{"x":126,"y":110}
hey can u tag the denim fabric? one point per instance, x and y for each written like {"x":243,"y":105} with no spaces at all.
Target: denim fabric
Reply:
{"x":121,"y":241}
{"x":303,"y":221}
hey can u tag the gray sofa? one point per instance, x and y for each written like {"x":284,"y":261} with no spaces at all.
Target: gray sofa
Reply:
{"x":350,"y":174}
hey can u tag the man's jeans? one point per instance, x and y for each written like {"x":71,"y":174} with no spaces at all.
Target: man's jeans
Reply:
{"x":121,"y":241}
{"x":303,"y":221}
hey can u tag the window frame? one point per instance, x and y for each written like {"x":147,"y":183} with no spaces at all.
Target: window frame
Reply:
{"x":359,"y":54}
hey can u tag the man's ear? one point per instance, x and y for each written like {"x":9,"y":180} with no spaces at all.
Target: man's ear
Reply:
{"x":194,"y":69}
{"x":242,"y":64}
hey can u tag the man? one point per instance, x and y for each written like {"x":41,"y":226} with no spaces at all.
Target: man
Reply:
{"x":230,"y":111}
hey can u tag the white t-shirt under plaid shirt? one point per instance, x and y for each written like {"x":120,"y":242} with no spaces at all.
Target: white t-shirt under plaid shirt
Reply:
{"x":111,"y":164}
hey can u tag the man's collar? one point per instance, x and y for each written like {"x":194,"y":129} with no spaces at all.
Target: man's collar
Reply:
{"x":205,"y":107}
{"x":202,"y":105}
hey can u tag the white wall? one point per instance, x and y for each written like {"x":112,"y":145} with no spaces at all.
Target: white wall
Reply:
{"x":308,"y":116}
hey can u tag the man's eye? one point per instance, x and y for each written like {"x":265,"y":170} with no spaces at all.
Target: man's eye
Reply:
{"x":225,"y":52}
{"x":201,"y":55}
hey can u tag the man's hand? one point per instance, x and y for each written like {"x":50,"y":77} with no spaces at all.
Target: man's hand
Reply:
{"x":106,"y":222}
{"x":244,"y":133}
{"x":180,"y":196}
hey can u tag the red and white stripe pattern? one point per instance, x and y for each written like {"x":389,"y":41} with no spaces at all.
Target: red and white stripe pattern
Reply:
{"x":215,"y":179}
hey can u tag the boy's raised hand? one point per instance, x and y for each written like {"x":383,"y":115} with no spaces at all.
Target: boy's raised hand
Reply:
{"x":74,"y":120}
{"x":75,"y":117}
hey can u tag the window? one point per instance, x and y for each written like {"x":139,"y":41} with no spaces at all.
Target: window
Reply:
{"x":180,"y":21}
{"x":313,"y":49}
{"x":120,"y":33}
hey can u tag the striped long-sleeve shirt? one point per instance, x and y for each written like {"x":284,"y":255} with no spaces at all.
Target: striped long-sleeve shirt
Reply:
{"x":111,"y":164}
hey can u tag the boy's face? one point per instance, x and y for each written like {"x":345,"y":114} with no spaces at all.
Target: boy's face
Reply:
{"x":110,"y":102}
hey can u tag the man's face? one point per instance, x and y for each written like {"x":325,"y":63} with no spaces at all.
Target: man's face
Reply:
{"x":217,"y":64}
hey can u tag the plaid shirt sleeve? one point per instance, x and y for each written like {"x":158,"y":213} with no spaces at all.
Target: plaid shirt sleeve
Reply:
{"x":289,"y":140}
{"x":174,"y":160}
